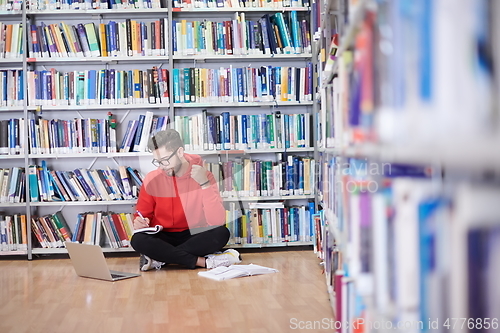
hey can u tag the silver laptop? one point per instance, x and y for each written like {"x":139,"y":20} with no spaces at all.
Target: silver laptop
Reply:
{"x":88,"y":261}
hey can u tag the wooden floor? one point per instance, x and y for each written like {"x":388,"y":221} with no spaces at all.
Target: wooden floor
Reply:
{"x":47,"y":296}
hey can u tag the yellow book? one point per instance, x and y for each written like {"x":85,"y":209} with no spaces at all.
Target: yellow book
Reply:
{"x":133,"y":26}
{"x":127,"y":224}
{"x":8,"y":38}
{"x":137,"y":85}
{"x":183,"y":37}
{"x":59,"y":40}
{"x":68,"y":32}
{"x":284,"y":84}
{"x":244,"y":222}
{"x":89,"y":225}
{"x":102,"y":41}
{"x":24,"y":233}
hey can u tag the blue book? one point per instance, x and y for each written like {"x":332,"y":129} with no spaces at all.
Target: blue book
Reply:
{"x":45,"y":172}
{"x":226,"y":143}
{"x":138,"y":134}
{"x":190,"y":39}
{"x":239,"y":79}
{"x":177,"y":88}
{"x":86,"y":187}
{"x":92,"y":86}
{"x":244,"y":126}
{"x":174,"y":36}
{"x":134,"y":176}
{"x":295,"y":32}
{"x":112,"y":86}
{"x":265,"y":37}
{"x":58,"y":195}
{"x":187,"y":90}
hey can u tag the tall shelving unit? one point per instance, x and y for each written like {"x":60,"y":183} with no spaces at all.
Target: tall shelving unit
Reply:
{"x":409,"y":165}
{"x":124,"y":112}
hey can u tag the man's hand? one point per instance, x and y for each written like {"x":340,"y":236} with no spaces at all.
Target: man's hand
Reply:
{"x":140,"y":222}
{"x":199,"y":174}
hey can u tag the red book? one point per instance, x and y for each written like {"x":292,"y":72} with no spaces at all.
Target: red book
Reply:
{"x":122,"y":234}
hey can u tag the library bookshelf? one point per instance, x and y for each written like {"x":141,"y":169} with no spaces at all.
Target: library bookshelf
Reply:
{"x":83,"y":81}
{"x":408,"y":172}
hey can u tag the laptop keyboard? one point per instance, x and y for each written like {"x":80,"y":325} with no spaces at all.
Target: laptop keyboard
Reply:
{"x":114,"y":276}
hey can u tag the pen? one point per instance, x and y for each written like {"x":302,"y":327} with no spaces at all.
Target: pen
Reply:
{"x":139,"y":213}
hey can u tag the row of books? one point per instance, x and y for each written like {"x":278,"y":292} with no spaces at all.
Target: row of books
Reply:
{"x":139,"y":131}
{"x":49,"y":6}
{"x":11,"y":46}
{"x":128,"y":38}
{"x":277,"y":4}
{"x":79,"y":135}
{"x":51,"y":231}
{"x":11,"y":5}
{"x":243,"y":84}
{"x":91,"y":227}
{"x":270,"y":223}
{"x":97,"y":87}
{"x":272,"y":34}
{"x":97,"y":228}
{"x":259,"y":131}
{"x":13,"y":232}
{"x":11,"y":87}
{"x":451,"y":240}
{"x":11,"y":138}
{"x":12,"y":185}
{"x":83,"y":184}
{"x":290,"y":175}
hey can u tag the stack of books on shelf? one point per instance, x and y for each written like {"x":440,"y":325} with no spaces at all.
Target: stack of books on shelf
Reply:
{"x":11,"y":81}
{"x":46,"y":5}
{"x":139,"y":131}
{"x":13,"y":232}
{"x":280,"y":33}
{"x":258,"y":131}
{"x":270,"y":223}
{"x":11,"y":46}
{"x":12,"y":185}
{"x":83,"y":184}
{"x":294,"y":175}
{"x":11,"y":140}
{"x":98,"y":87}
{"x":243,"y":84}
{"x":97,"y":228}
{"x":92,"y":226}
{"x":129,"y":38}
{"x":277,"y":4}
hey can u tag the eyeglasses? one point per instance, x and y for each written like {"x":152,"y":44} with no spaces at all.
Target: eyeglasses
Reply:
{"x":164,"y":161}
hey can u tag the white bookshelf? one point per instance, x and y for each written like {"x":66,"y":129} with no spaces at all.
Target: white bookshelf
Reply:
{"x":123,"y":112}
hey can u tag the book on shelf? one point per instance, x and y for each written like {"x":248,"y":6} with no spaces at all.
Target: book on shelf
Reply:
{"x":42,"y":6}
{"x":241,"y":37}
{"x":244,"y":132}
{"x":236,"y":271}
{"x":97,"y":87}
{"x":243,"y":84}
{"x":74,"y":185}
{"x":272,"y":224}
{"x":13,"y":232}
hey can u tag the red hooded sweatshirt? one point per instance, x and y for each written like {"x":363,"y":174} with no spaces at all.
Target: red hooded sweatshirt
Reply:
{"x":179,"y":203}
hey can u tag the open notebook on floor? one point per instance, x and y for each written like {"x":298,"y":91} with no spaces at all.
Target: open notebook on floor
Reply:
{"x":235,"y":271}
{"x":88,"y":261}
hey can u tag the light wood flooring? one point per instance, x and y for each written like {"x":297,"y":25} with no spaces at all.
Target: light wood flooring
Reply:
{"x":47,"y":296}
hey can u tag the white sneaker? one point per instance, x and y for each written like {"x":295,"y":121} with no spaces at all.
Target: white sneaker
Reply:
{"x":147,"y":264}
{"x":226,"y":258}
